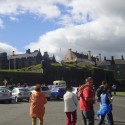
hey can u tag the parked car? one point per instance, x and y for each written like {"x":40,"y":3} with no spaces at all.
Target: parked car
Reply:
{"x":57,"y":92}
{"x":59,"y":82}
{"x":44,"y":89}
{"x":75,"y":89}
{"x":5,"y":88}
{"x":5,"y":94}
{"x":51,"y":86}
{"x":20,"y":93}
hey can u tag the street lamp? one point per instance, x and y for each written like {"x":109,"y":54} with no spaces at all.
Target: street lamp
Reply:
{"x":14,"y":61}
{"x":9,"y":63}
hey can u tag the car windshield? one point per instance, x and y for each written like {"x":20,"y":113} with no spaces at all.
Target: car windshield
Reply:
{"x":62,"y":89}
{"x":31,"y":88}
{"x":2,"y":90}
{"x":23,"y":90}
{"x":57,"y":89}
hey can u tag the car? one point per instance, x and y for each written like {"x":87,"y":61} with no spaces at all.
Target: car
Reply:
{"x":59,"y":82}
{"x":5,"y":94}
{"x":20,"y":93}
{"x":5,"y":87}
{"x":44,"y":89}
{"x":57,"y":92}
{"x":75,"y":89}
{"x":51,"y":86}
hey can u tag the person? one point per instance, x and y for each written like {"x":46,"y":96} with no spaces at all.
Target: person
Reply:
{"x":37,"y":102}
{"x":106,"y":107}
{"x":87,"y":99}
{"x":100,"y":90}
{"x":114,"y":88}
{"x":70,"y":106}
{"x":109,"y":102}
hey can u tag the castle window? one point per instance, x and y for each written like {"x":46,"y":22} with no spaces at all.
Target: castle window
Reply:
{"x":118,"y":66}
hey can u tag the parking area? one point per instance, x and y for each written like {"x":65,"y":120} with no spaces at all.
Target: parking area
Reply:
{"x":18,"y":113}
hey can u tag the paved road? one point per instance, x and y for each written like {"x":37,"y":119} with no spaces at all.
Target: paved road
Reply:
{"x":17,"y":113}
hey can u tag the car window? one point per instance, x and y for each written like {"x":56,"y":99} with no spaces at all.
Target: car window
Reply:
{"x":14,"y":91}
{"x":62,"y":89}
{"x":73,"y":89}
{"x":23,"y":90}
{"x":3,"y":90}
{"x":54,"y":89}
{"x":31,"y":88}
{"x":44,"y":88}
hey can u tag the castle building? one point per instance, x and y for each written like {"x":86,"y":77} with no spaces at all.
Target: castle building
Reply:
{"x":17,"y":61}
{"x":117,"y":65}
{"x":74,"y":57}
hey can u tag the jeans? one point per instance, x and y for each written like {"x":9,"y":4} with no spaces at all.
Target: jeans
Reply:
{"x":110,"y":117}
{"x":34,"y":119}
{"x":71,"y":118}
{"x":88,"y":117}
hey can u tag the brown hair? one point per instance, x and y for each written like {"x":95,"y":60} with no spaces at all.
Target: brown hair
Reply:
{"x":104,"y":82}
{"x":37,"y":87}
{"x":105,"y":88}
{"x":88,"y":79}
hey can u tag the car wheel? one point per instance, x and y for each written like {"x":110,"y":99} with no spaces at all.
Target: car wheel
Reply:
{"x":48,"y":98}
{"x":58,"y":98}
{"x":21,"y":100}
{"x":10,"y":101}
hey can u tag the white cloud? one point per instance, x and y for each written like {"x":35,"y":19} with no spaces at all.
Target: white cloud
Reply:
{"x":104,"y":33}
{"x":14,"y":19}
{"x":100,"y":36}
{"x":1,"y":23}
{"x":48,"y":9}
{"x":4,"y":47}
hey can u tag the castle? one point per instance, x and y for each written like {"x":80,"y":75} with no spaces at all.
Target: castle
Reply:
{"x":116,"y":65}
{"x":17,"y":61}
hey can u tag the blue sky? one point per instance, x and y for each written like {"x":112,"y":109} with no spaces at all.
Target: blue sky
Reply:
{"x":25,"y":30}
{"x":56,"y":26}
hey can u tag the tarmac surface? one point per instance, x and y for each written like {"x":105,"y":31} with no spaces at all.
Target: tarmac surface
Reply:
{"x":18,"y":113}
{"x":54,"y":115}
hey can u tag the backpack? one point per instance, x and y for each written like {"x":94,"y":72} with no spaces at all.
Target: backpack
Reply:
{"x":99,"y":92}
{"x":80,"y":90}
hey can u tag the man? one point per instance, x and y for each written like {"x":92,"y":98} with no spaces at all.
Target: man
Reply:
{"x":87,"y":99}
{"x":114,"y":88}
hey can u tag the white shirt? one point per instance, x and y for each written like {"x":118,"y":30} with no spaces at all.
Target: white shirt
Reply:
{"x":114,"y":86}
{"x":70,"y":101}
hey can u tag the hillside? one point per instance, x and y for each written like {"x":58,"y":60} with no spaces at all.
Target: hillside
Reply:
{"x":34,"y":68}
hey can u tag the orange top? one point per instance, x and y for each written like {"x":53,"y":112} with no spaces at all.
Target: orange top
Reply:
{"x":37,"y":101}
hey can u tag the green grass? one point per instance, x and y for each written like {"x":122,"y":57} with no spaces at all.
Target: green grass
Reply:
{"x":56,"y":64}
{"x":120,"y":93}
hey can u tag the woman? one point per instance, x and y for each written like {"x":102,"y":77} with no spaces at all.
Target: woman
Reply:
{"x":37,"y":109}
{"x":70,"y":106}
{"x":106,"y":106}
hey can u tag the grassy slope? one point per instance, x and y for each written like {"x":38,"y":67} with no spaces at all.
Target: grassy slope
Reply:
{"x":34,"y":68}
